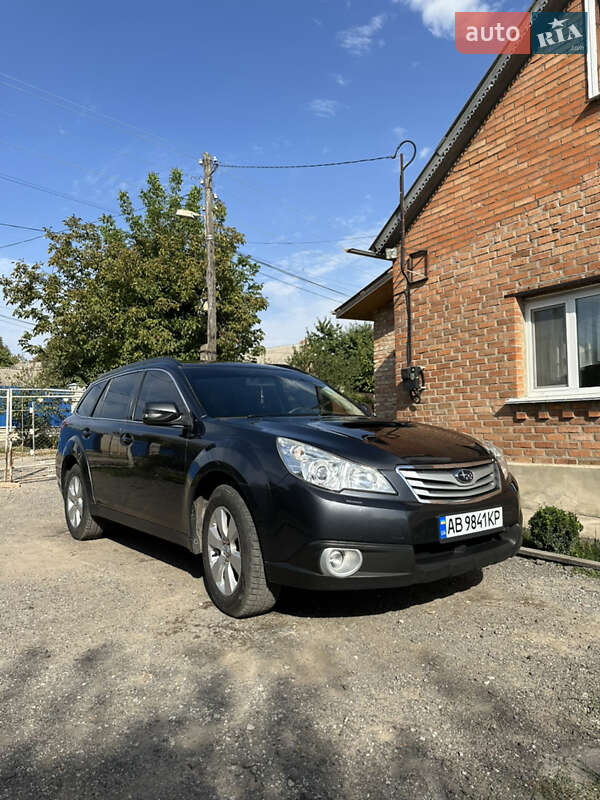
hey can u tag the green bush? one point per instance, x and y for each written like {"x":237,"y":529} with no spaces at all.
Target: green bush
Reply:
{"x":587,"y":548}
{"x":553,"y":529}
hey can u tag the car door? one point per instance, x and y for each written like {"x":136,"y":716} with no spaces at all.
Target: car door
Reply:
{"x":154,"y":486}
{"x":107,"y":449}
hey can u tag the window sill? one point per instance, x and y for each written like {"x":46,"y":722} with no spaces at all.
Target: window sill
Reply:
{"x":559,"y":398}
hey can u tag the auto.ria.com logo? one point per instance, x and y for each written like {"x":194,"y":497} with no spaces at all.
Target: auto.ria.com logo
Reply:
{"x":511,"y":32}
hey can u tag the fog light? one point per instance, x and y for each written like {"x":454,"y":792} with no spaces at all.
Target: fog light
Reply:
{"x":340,"y":562}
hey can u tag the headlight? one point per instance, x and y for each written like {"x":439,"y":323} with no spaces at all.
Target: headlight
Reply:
{"x":499,"y":456}
{"x":328,"y":471}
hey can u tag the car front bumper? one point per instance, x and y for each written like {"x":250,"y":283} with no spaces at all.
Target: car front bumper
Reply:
{"x":387,"y":565}
{"x":398,"y":538}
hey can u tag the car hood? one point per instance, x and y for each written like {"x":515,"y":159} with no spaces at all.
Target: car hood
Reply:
{"x":377,"y":441}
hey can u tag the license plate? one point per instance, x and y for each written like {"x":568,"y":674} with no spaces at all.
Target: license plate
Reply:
{"x":470,"y":522}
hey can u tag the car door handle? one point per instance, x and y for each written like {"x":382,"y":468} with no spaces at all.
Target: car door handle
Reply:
{"x":126,"y":438}
{"x":86,"y":433}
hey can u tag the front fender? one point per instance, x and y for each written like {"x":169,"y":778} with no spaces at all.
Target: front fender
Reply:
{"x":242,"y":467}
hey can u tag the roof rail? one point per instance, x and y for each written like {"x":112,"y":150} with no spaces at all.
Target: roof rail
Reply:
{"x":144,"y":363}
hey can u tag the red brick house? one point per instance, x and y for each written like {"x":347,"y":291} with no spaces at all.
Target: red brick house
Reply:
{"x":507,"y":325}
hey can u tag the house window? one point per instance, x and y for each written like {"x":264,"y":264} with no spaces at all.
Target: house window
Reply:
{"x":592,"y":7}
{"x":563,"y":344}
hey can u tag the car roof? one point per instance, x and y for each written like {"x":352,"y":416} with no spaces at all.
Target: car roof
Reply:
{"x":166,"y":362}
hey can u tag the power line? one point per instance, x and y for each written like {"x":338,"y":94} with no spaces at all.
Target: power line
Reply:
{"x":16,"y":321}
{"x":21,"y":227}
{"x":300,"y":288}
{"x":70,"y":105}
{"x":310,"y":166}
{"x":22,"y":241}
{"x":258,"y":260}
{"x":319,"y":241}
{"x":63,"y":195}
{"x":274,"y":241}
{"x":295,"y":275}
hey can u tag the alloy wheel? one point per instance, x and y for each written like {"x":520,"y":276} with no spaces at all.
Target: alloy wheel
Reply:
{"x":225,"y":557}
{"x":75,"y":501}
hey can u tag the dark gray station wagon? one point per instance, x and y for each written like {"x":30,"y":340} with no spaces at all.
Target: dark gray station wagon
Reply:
{"x":278,"y":480}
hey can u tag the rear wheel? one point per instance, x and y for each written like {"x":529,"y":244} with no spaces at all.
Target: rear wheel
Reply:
{"x":234,"y":572}
{"x":80,"y":522}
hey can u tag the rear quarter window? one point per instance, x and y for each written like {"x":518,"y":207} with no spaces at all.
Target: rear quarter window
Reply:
{"x":117,"y":400}
{"x":86,"y":405}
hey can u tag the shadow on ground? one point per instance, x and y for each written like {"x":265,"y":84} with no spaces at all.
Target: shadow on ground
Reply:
{"x":298,"y":602}
{"x":167,"y":552}
{"x":298,"y":742}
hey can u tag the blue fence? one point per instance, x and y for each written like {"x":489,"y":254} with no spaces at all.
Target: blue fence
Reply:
{"x":51,"y":405}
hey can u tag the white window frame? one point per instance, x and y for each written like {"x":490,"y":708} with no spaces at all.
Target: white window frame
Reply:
{"x":572,"y":390}
{"x":593,"y":82}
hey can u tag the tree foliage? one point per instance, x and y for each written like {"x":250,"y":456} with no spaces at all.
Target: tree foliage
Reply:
{"x":111,"y":295}
{"x":7,"y":359}
{"x":343,"y":357}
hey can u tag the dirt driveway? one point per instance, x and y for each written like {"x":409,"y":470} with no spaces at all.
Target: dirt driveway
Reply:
{"x":119,"y":679}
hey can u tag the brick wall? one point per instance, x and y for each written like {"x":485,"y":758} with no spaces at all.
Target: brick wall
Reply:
{"x":385,"y":362}
{"x":520,"y":209}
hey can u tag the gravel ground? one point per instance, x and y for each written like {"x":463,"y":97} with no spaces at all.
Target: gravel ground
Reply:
{"x":118,"y":678}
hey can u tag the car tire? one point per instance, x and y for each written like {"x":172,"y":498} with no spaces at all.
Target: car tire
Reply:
{"x":80,"y":522}
{"x":234,"y":571}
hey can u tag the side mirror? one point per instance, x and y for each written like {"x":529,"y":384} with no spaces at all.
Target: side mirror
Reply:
{"x":161,"y":413}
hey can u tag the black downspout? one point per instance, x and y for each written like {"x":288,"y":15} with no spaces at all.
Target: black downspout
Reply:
{"x":412,"y":377}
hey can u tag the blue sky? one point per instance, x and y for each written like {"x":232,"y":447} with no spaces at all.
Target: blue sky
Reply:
{"x":259,"y":82}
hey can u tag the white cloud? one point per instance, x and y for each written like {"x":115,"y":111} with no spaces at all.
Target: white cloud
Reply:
{"x":400,"y":132}
{"x":358,"y":40}
{"x":438,"y":15}
{"x":287,"y":323}
{"x":340,"y":80}
{"x":424,"y":152}
{"x":324,"y":108}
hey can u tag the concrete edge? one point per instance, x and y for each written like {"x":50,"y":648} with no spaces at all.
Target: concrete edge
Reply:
{"x":571,"y":561}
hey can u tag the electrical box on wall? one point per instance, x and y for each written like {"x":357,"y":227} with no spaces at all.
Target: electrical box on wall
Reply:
{"x":413,"y":379}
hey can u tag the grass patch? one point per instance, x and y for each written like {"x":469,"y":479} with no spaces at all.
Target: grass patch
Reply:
{"x":587,"y":548}
{"x":582,"y":548}
{"x":589,"y":573}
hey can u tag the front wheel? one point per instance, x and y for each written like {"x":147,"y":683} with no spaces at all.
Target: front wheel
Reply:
{"x":234,"y":572}
{"x":80,"y":522}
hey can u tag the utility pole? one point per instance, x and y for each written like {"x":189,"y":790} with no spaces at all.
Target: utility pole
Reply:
{"x":211,"y":289}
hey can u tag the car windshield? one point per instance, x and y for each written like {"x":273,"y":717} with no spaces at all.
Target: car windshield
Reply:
{"x":238,"y":392}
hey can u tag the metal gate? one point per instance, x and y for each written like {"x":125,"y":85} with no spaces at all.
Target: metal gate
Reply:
{"x":30,"y":421}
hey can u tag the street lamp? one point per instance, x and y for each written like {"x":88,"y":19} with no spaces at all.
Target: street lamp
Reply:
{"x":184,"y":212}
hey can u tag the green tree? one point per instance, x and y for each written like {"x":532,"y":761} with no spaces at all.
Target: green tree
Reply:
{"x":110,"y":295}
{"x":7,"y":359}
{"x":343,"y":357}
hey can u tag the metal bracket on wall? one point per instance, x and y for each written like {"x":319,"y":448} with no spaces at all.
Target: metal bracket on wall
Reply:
{"x":417,"y":271}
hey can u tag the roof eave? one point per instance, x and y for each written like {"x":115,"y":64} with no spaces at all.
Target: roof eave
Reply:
{"x":363,"y":304}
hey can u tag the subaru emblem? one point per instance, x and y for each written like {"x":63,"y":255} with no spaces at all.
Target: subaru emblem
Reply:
{"x":464,"y":475}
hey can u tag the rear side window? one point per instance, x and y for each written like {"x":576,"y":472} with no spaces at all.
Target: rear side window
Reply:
{"x":158,"y":387}
{"x":117,"y":399}
{"x":88,"y":402}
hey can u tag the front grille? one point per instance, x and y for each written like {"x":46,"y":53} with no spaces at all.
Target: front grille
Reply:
{"x":440,"y":484}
